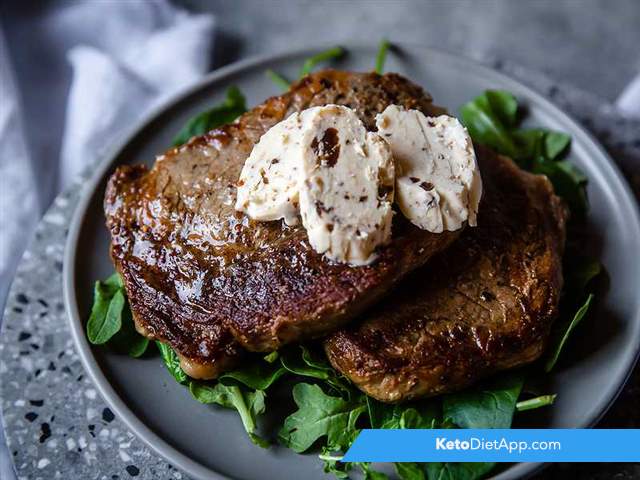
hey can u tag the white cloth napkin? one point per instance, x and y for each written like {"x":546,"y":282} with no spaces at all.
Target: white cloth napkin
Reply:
{"x":125,"y":57}
{"x":629,"y":100}
{"x":114,"y":86}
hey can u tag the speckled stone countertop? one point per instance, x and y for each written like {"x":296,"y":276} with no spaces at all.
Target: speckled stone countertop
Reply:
{"x":58,"y":427}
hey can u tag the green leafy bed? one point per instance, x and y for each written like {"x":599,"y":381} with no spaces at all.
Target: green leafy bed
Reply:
{"x":330,"y":410}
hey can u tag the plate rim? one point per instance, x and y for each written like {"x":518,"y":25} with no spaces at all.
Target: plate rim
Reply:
{"x":84,"y":348}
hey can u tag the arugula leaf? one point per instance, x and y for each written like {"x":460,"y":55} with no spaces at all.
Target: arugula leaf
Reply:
{"x":537,"y":402}
{"x":247,"y":404}
{"x":231,"y":108}
{"x":311,"y":62}
{"x":172,"y":362}
{"x":320,"y":415}
{"x":381,"y":414}
{"x":108,"y":301}
{"x":278,"y":79}
{"x":559,"y":342}
{"x":458,"y":471}
{"x":488,"y":406}
{"x":410,"y":471}
{"x":333,"y":463}
{"x":381,"y":57}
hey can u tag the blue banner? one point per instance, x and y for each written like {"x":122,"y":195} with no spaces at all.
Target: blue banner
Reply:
{"x":496,"y":445}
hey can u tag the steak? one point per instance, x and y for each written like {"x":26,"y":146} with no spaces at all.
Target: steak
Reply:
{"x":485,"y":304}
{"x":210,"y":282}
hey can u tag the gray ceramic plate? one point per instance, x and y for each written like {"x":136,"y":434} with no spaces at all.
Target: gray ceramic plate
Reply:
{"x":207,"y":442}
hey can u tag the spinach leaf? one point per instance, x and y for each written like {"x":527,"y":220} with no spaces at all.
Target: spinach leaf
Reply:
{"x":458,"y":471}
{"x":410,"y":471}
{"x":271,"y":357}
{"x":278,"y":79}
{"x":257,"y":375}
{"x":504,"y":105}
{"x":492,"y":120}
{"x":423,"y":414}
{"x":579,"y":271}
{"x":111,"y":320}
{"x":231,"y":108}
{"x":370,"y":474}
{"x":247,"y":404}
{"x":128,"y":340}
{"x":536,"y":402}
{"x":559,"y":341}
{"x":485,"y":126}
{"x":310,"y":63}
{"x":108,"y":301}
{"x":320,"y":415}
{"x":568,"y":182}
{"x":307,"y":67}
{"x":300,"y":361}
{"x":555,"y":144}
{"x":138,"y":346}
{"x":488,"y":406}
{"x":172,"y":362}
{"x":381,"y":57}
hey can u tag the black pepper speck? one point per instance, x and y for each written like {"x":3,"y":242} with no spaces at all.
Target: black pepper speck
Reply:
{"x":133,"y":470}
{"x":45,"y":432}
{"x":107,"y":415}
{"x":22,"y":298}
{"x":31,"y":416}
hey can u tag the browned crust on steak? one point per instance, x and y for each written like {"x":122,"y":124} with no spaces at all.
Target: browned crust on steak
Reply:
{"x":485,"y":304}
{"x":205,"y":279}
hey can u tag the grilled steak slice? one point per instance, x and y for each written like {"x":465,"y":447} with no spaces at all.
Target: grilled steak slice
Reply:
{"x":199,"y":274}
{"x":485,"y":304}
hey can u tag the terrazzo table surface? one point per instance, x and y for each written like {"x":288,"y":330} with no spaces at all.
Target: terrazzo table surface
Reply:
{"x":57,"y":425}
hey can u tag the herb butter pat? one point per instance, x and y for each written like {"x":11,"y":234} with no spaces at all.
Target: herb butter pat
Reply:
{"x":323,"y":164}
{"x":438,"y":184}
{"x":268,"y":185}
{"x":346,"y":193}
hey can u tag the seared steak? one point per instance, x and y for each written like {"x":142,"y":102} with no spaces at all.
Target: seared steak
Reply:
{"x":483,"y":305}
{"x":207,"y":280}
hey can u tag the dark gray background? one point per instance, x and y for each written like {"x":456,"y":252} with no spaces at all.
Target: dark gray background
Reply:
{"x":592,"y":44}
